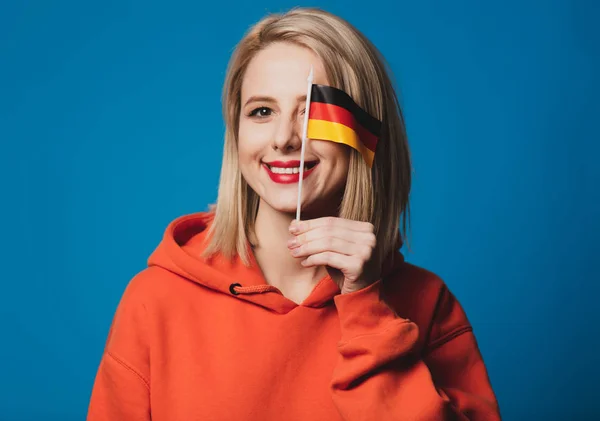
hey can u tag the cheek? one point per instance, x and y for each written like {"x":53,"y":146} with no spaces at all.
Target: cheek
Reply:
{"x":252,"y":139}
{"x":337,"y":154}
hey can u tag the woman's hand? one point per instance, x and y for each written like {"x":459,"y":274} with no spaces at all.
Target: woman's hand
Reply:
{"x":340,"y":243}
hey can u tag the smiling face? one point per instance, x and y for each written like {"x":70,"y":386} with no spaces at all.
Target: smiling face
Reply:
{"x":273,"y":99}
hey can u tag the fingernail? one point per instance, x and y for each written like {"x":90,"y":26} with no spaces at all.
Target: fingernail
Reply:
{"x":292,"y":242}
{"x":294,"y":228}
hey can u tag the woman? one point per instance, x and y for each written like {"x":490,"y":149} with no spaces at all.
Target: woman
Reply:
{"x":246,"y":314}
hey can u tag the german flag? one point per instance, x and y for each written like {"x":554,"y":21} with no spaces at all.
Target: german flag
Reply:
{"x":334,"y":116}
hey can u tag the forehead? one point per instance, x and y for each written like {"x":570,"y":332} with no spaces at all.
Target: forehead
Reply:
{"x":281,"y":70}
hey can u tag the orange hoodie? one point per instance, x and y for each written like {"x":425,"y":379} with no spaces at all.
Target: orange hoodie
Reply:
{"x":193,"y":340}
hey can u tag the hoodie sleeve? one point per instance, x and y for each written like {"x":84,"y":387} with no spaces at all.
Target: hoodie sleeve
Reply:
{"x":121,"y":388}
{"x":382,"y":375}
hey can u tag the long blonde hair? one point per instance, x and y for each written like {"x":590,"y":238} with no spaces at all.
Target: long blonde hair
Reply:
{"x":379,"y":195}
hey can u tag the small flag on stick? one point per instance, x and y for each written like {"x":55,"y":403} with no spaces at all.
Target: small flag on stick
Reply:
{"x":331,"y":114}
{"x":336,"y":117}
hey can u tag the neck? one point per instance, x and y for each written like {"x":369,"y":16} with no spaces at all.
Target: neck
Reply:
{"x":279,"y":267}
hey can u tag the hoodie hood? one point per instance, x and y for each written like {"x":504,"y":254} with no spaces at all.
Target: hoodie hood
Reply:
{"x":180,"y":252}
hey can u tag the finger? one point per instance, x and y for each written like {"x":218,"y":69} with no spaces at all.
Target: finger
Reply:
{"x":357,"y":237}
{"x":349,"y":265}
{"x":332,"y":244}
{"x":299,"y":227}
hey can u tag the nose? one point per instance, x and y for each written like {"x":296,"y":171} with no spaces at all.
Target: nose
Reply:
{"x":288,"y":137}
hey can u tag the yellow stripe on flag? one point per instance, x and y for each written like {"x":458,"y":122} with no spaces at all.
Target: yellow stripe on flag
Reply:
{"x":339,"y":133}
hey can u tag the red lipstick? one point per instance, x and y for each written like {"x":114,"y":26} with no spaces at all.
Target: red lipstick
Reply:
{"x":288,"y":178}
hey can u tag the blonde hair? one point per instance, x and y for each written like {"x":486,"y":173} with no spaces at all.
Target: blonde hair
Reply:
{"x":379,"y":195}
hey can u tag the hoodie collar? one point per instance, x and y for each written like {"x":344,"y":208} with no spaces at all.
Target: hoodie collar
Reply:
{"x":180,"y":252}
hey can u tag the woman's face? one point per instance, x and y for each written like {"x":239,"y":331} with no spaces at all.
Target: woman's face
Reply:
{"x":273,"y":100}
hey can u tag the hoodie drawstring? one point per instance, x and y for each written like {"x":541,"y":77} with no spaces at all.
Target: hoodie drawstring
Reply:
{"x":237,"y":289}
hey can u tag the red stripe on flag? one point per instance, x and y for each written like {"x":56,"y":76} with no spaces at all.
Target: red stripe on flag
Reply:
{"x":336,"y":114}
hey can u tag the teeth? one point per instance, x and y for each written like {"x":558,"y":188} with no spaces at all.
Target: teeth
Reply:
{"x":294,"y":170}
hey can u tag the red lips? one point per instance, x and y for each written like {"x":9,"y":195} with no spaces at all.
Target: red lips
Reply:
{"x":289,"y":178}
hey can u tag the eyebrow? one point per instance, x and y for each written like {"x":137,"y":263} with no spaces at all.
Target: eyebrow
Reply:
{"x":261,"y":98}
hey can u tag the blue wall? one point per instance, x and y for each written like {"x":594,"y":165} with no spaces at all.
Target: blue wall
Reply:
{"x":110,"y":127}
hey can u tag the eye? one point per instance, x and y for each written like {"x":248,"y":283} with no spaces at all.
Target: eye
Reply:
{"x":261,"y":112}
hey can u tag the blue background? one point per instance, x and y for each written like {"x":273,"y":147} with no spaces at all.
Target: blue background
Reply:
{"x":110,"y":127}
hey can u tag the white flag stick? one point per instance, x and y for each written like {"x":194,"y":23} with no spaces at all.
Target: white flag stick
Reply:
{"x":304,"y":130}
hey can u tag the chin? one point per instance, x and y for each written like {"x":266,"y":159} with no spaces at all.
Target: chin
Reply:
{"x":286,"y":201}
{"x":308,"y":209}
{"x":283,"y":206}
